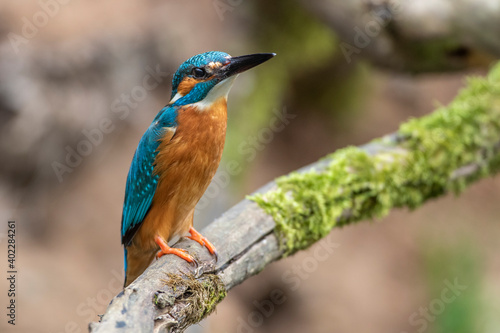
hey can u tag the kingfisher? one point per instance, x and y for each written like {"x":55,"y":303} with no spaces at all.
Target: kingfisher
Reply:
{"x":177,"y":158}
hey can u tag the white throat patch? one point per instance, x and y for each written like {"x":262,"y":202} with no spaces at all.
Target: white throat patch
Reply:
{"x":221,"y":89}
{"x":175,"y":98}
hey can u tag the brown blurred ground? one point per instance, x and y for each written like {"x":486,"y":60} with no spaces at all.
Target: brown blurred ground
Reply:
{"x":69,"y":255}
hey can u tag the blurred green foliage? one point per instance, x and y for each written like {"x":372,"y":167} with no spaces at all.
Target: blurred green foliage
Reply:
{"x":458,"y":261}
{"x":307,"y":74}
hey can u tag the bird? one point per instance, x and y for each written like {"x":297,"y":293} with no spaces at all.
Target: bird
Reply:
{"x":176,"y":159}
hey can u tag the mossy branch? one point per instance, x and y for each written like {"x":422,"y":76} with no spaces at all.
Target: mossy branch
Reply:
{"x":428,"y":157}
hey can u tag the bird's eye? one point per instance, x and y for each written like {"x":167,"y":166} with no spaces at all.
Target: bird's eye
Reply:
{"x":198,"y":72}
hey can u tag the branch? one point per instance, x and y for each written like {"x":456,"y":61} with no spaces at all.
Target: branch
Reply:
{"x":426,"y":158}
{"x":417,"y":36}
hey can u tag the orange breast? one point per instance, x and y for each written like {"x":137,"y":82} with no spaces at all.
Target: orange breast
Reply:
{"x":186,"y":165}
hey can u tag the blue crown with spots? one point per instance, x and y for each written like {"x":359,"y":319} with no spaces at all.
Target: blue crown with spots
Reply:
{"x":198,"y":60}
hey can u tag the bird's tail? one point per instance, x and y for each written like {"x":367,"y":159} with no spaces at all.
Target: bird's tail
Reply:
{"x":136,"y":263}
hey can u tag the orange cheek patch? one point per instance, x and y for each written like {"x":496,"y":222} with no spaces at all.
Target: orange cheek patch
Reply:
{"x":186,"y":85}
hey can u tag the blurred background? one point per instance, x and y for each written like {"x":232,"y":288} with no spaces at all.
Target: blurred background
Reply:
{"x":81,"y":81}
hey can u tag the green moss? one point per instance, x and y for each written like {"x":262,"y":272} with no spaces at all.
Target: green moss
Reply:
{"x":404,"y":172}
{"x":201,"y":294}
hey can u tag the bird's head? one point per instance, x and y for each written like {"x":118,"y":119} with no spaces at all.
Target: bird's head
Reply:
{"x":208,"y":76}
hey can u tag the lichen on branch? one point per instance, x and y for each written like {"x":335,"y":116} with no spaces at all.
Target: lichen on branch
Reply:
{"x":418,"y":163}
{"x":201,"y":295}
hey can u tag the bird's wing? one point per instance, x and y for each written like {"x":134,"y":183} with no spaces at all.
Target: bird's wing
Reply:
{"x":141,"y":180}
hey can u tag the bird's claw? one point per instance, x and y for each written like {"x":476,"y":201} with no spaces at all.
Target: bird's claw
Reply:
{"x":196,"y":236}
{"x":181,"y":253}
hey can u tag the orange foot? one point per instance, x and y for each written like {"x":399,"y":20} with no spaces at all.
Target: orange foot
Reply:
{"x":196,"y":236}
{"x":165,"y":249}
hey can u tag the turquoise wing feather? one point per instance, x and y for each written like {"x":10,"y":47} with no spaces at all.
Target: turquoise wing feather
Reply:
{"x":141,"y":180}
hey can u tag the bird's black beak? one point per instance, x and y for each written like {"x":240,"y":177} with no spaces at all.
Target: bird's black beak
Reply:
{"x":240,"y":64}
